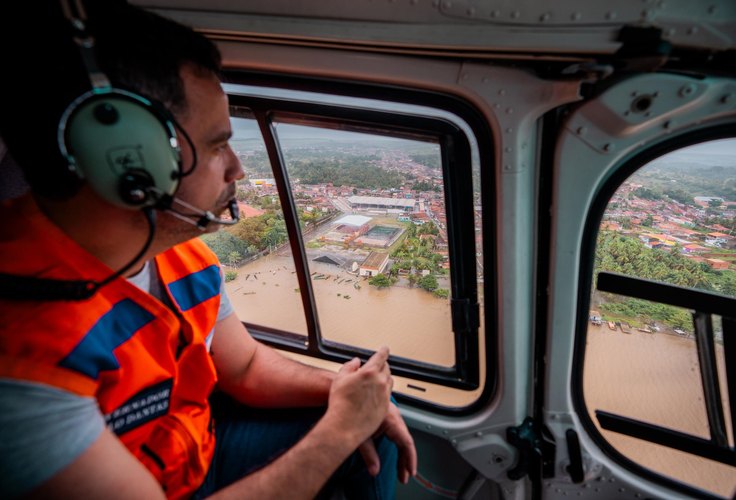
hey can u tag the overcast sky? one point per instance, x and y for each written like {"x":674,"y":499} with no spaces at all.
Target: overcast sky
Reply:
{"x":721,"y":153}
{"x":248,"y":129}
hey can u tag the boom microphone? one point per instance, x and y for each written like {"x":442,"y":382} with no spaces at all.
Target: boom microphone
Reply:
{"x":200,"y":218}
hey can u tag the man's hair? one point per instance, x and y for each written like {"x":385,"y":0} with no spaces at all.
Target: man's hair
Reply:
{"x":138,"y":51}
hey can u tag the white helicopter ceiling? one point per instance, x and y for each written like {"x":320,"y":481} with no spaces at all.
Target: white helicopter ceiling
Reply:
{"x":461,"y":26}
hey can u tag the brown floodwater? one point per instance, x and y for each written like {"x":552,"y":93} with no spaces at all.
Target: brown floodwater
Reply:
{"x":654,"y":377}
{"x":650,"y":377}
{"x":410,"y":321}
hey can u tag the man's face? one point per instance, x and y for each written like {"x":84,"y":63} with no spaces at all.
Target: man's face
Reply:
{"x":207,"y":121}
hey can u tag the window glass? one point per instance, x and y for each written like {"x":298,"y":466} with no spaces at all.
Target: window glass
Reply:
{"x":406,"y":308}
{"x":372,"y":216}
{"x":673,"y":221}
{"x":259,"y":269}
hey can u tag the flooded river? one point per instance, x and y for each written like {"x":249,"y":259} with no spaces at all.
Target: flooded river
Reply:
{"x":655,"y":378}
{"x":411,"y":321}
{"x":650,"y":377}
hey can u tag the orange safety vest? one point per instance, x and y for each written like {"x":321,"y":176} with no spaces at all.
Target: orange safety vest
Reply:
{"x":147,"y":366}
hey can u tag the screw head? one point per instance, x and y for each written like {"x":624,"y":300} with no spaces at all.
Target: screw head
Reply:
{"x":686,"y":90}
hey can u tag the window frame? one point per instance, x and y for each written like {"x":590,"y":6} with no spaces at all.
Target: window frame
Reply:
{"x":599,"y":203}
{"x":464,"y":306}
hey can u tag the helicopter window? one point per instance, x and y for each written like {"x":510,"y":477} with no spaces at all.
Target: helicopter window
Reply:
{"x":659,"y":380}
{"x":346,"y":243}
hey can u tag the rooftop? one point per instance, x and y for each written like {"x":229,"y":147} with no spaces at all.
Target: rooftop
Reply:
{"x":353,"y":220}
{"x":375,"y":260}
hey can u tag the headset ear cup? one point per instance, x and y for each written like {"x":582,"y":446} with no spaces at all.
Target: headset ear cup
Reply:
{"x":135,"y":188}
{"x":122,"y":146}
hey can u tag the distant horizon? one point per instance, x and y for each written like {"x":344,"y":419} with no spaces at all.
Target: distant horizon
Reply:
{"x":247,"y":129}
{"x":720,"y":153}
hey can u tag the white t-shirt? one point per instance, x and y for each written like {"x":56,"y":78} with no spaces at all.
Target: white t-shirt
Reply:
{"x":43,"y":429}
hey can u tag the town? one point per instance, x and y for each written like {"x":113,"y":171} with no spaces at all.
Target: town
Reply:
{"x":670,"y":224}
{"x":375,"y":209}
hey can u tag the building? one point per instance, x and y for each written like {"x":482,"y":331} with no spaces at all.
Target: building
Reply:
{"x":356,"y":222}
{"x":717,"y":239}
{"x":375,"y":263}
{"x":652,"y":240}
{"x":376,"y":202}
{"x":704,"y":201}
{"x":717,"y":264}
{"x":351,"y":225}
{"x":332,"y":259}
{"x":259,"y":183}
{"x":693,"y":248}
{"x":420,"y":218}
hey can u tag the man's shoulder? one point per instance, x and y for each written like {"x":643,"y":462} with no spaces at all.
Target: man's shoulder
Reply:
{"x":194,"y":251}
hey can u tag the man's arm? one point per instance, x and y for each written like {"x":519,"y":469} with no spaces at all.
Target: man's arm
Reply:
{"x":358,"y":401}
{"x":105,"y":470}
{"x":259,"y":376}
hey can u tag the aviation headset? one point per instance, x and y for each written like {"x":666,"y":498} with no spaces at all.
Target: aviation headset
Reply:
{"x":122,"y":144}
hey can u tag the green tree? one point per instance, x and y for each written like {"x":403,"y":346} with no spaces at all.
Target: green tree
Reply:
{"x":647,"y":194}
{"x":341,"y":170}
{"x":428,"y":228}
{"x":233,"y":258}
{"x":249,"y":230}
{"x":431,"y":160}
{"x":380,"y":281}
{"x":426,"y":186}
{"x":274,"y":233}
{"x":679,"y":195}
{"x":225,"y":245}
{"x":726,"y":283}
{"x":428,"y":282}
{"x":423,"y":263}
